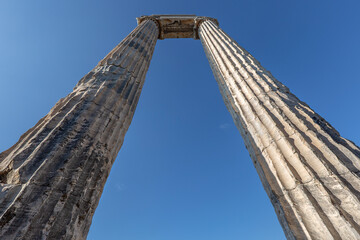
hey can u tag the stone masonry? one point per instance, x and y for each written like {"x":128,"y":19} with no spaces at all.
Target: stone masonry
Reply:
{"x":310,"y":173}
{"x":53,"y":177}
{"x":51,"y":180}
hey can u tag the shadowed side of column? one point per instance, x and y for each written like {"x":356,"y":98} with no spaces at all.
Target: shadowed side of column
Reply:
{"x":51,"y":180}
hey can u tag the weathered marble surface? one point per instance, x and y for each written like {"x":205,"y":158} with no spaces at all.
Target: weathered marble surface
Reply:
{"x":309,"y":171}
{"x":52,"y":178}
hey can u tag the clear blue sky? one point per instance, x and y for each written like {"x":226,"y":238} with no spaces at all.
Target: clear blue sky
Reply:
{"x":183,"y":172}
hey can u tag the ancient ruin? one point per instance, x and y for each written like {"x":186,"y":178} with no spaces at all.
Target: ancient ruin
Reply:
{"x":52,"y":178}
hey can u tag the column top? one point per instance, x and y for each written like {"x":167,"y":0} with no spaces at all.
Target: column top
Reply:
{"x":177,"y":26}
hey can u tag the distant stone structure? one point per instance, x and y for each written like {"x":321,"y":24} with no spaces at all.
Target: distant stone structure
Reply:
{"x":52,"y":178}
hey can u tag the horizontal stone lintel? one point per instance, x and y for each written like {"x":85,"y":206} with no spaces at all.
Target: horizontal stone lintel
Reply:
{"x":176,"y":26}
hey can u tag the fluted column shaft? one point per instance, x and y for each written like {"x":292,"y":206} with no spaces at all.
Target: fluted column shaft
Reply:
{"x":310,"y":173}
{"x":53,"y":177}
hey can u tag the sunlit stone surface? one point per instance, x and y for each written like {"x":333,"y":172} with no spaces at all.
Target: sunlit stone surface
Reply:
{"x":309,"y":171}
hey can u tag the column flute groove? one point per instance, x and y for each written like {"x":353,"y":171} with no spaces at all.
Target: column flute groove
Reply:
{"x":296,"y":132}
{"x":249,"y":56}
{"x":312,"y":184}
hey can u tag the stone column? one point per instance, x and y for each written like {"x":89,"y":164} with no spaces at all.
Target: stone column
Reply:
{"x":310,"y":173}
{"x":52,"y":178}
